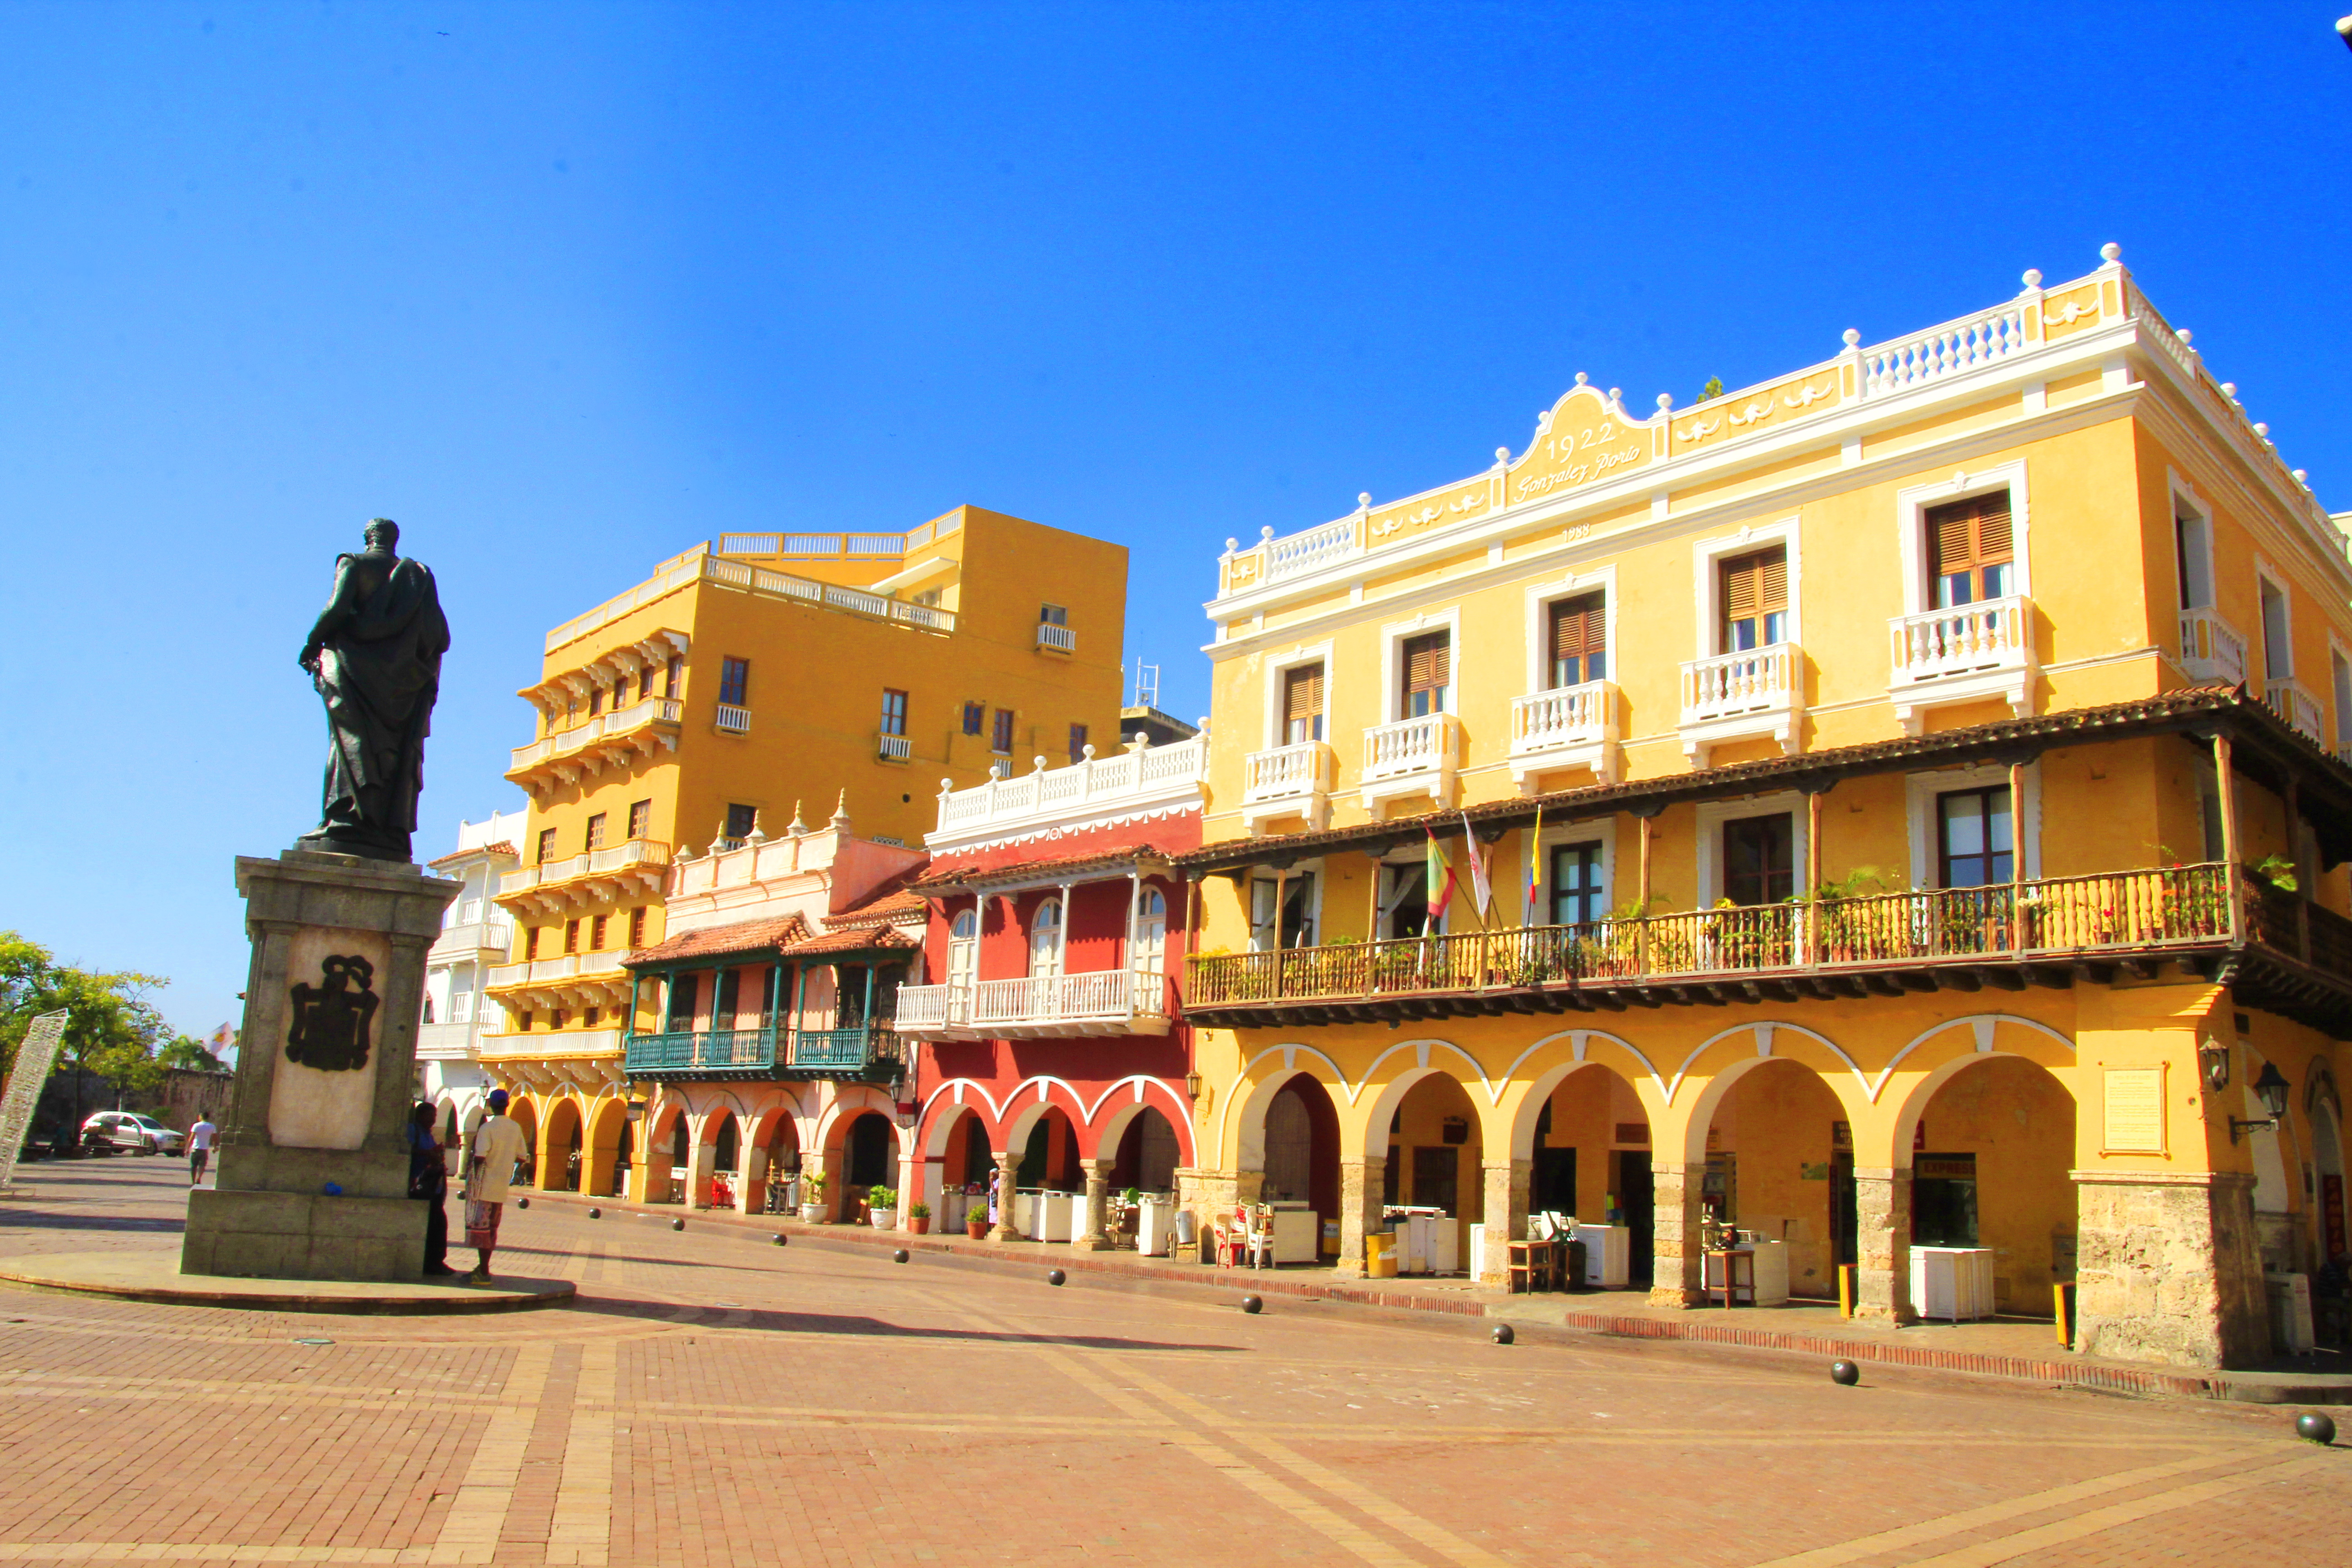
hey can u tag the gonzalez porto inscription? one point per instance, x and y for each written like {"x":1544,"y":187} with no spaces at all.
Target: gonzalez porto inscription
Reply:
{"x":330,"y":1020}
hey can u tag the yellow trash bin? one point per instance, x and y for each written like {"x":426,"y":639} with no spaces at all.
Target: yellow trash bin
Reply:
{"x":1379,"y":1256}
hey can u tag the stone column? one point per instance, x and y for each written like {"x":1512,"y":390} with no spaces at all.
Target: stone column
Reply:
{"x":1505,"y":1216}
{"x":1680,"y":1269}
{"x":1359,"y":1206}
{"x":702,"y":1160}
{"x":1008,"y":1170}
{"x":1091,"y":1236}
{"x":1882,"y":1276}
{"x":2168,"y":1269}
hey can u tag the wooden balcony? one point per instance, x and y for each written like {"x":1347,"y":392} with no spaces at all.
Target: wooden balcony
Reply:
{"x":2280,"y":952}
{"x":866,"y":1052}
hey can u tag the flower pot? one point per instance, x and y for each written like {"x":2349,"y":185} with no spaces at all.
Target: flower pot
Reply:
{"x":919,"y":1223}
{"x":884,"y":1219}
{"x":977,"y":1229}
{"x":812,"y":1214}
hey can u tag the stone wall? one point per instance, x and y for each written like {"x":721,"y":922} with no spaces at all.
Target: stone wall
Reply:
{"x":2170,"y":1270}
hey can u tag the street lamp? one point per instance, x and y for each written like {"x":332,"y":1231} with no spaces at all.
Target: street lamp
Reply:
{"x":2274,"y":1089}
{"x":2344,"y":30}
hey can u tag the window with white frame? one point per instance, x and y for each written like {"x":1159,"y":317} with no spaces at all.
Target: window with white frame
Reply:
{"x":1282,"y":911}
{"x":1045,"y":939}
{"x":964,"y":950}
{"x":1150,"y":955}
{"x":1302,"y":704}
{"x":2278,"y":631}
{"x":1576,"y":641}
{"x":2192,"y":545}
{"x":1971,"y":553}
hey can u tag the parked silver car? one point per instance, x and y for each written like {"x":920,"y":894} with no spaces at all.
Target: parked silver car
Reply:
{"x":110,"y":1132}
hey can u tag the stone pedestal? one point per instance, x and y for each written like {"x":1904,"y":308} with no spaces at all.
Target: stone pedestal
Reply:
{"x":1361,"y":1179}
{"x":1882,"y":1274}
{"x":1679,"y":1277}
{"x":312,"y":1163}
{"x":2168,"y":1269}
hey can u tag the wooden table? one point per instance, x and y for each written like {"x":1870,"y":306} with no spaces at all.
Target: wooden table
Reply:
{"x":1732,"y":1284}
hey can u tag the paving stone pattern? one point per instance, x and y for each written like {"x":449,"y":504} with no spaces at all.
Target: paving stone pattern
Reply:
{"x":713,"y":1400}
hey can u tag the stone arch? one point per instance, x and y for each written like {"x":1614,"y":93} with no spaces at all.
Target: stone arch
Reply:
{"x":659,"y":1153}
{"x":608,"y":1119}
{"x":566,"y":1130}
{"x":524,"y":1110}
{"x":1127,"y":1099}
{"x":1750,"y":1047}
{"x":1260,"y":1079}
{"x":1584,"y":1049}
{"x":1985,"y":1037}
{"x":1032,"y":1102}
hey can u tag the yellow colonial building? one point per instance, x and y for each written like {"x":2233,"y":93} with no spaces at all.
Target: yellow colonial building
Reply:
{"x":1894,"y":818}
{"x":700,"y":709}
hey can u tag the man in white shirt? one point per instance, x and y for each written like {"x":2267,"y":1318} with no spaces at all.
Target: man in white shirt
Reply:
{"x":200,"y":1148}
{"x":497,"y":1145}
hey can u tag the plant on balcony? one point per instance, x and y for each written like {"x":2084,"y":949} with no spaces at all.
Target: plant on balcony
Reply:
{"x":882,"y":1207}
{"x":2278,"y":871}
{"x":919,"y":1218}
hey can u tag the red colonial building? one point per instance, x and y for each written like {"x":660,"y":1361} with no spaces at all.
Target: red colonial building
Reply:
{"x":1052,"y":1055}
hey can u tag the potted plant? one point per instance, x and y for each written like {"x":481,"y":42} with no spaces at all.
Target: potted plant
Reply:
{"x":919,"y":1218}
{"x":812,"y":1197}
{"x":975,"y":1219}
{"x":882,"y":1208}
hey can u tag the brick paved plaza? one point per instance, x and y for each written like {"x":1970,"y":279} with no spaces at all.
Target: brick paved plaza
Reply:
{"x":712,"y":1399}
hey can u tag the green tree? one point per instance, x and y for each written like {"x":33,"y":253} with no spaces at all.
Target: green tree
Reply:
{"x":112,"y":1029}
{"x":1714,"y":388}
{"x":192,"y":1055}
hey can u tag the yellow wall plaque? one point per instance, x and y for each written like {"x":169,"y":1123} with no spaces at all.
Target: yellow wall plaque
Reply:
{"x":2134,"y":1110}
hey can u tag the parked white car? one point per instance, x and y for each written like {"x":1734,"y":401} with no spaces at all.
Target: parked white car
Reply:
{"x":110,"y":1131}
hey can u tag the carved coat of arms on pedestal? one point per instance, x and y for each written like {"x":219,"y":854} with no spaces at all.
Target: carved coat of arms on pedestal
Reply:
{"x":331,"y":1018}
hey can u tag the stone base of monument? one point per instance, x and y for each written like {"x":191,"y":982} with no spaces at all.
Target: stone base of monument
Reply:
{"x":312,"y":1168}
{"x":303,"y":1236}
{"x":147,"y":1274}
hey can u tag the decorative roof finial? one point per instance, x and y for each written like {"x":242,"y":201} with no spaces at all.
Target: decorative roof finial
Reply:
{"x":2112,"y":254}
{"x":1854,"y":337}
{"x":1665,"y":401}
{"x":840,"y":822}
{"x":1581,"y":378}
{"x":2032,"y":278}
{"x":757,"y":835}
{"x":798,"y":829}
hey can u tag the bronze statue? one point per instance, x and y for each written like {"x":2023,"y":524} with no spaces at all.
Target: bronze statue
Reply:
{"x":374,"y":655}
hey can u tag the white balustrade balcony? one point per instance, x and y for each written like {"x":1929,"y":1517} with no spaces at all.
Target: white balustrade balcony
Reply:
{"x":1756,"y":694}
{"x":1104,"y":1002}
{"x":1061,"y":640}
{"x":2212,"y":649}
{"x":894,"y":748}
{"x":445,"y":1042}
{"x":472,"y":939}
{"x":1139,"y":778}
{"x":1567,"y":727}
{"x":1412,"y":756}
{"x":1296,"y":780}
{"x":614,"y":738}
{"x":732,"y":718}
{"x":559,"y":1043}
{"x":2299,"y":706}
{"x":1964,"y":654}
{"x":598,"y":875}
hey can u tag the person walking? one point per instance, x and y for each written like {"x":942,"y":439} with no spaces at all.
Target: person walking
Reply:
{"x":497,"y":1145}
{"x":200,"y":1148}
{"x":428,"y":1179}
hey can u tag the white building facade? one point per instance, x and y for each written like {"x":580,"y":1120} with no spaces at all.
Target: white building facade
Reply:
{"x":475,"y":934}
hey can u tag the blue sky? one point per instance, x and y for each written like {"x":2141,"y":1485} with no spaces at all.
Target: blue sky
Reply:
{"x":565,"y":289}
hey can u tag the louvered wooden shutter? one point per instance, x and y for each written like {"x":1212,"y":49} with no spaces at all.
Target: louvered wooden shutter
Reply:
{"x":1578,"y":627}
{"x":1428,"y":662}
{"x":1970,"y":534}
{"x":1755,"y":584}
{"x":1302,"y":696}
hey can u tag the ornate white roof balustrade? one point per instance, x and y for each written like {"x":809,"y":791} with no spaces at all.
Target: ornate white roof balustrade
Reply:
{"x":1141,"y":781}
{"x":1589,"y":453}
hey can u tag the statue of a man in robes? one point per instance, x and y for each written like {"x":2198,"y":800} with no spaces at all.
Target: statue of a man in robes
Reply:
{"x":376,"y":658}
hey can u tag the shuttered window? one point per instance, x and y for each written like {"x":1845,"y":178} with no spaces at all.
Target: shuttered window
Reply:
{"x":1970,"y":551}
{"x":1755,"y":599}
{"x":1580,"y":641}
{"x":1302,"y":704}
{"x":1428,"y":674}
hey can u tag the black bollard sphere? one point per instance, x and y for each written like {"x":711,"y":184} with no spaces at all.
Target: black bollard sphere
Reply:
{"x":1844,"y":1374}
{"x":778,"y":1238}
{"x":522,"y":1203}
{"x":1502,"y":1334}
{"x":595,"y":1213}
{"x":1251,"y":1305}
{"x":677,"y":1225}
{"x":1054,"y":1277}
{"x":899,"y":1256}
{"x":2314,"y":1427}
